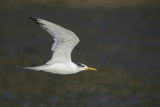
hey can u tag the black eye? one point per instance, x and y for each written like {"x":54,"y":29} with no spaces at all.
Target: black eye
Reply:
{"x":81,"y":65}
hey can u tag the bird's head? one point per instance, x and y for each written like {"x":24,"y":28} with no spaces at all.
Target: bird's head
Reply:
{"x":82,"y":67}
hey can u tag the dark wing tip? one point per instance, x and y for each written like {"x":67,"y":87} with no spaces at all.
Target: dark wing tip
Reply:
{"x":35,"y":19}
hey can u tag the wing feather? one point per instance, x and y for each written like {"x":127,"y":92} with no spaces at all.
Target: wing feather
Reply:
{"x":65,"y":40}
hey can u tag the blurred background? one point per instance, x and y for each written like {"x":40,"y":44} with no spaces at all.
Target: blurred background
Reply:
{"x":121,"y":38}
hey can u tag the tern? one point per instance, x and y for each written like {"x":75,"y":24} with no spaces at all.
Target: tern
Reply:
{"x":65,"y":41}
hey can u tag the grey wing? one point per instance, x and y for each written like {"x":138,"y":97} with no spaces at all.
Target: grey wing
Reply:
{"x":65,"y":40}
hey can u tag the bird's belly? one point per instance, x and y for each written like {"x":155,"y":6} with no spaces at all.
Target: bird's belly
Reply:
{"x":61,"y":70}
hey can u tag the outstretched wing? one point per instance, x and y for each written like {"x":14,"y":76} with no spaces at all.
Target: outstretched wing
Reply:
{"x":65,"y":40}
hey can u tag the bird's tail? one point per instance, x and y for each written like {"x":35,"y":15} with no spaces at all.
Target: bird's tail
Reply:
{"x":37,"y":68}
{"x":32,"y":68}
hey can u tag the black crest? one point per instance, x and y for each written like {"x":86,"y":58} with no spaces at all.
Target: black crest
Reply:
{"x":81,"y":65}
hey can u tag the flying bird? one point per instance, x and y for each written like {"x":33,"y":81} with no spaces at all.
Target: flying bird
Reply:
{"x":65,"y":41}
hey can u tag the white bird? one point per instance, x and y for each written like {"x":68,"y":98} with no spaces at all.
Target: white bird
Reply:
{"x":65,"y":41}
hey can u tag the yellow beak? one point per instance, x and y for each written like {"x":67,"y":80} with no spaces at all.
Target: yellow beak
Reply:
{"x":89,"y":68}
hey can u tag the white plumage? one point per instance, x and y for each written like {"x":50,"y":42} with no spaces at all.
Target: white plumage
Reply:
{"x":65,"y":41}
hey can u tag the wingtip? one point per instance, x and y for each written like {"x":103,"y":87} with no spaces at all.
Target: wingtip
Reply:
{"x":35,"y":19}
